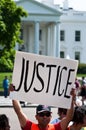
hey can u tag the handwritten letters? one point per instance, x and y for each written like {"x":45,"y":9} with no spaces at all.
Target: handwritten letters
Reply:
{"x":42,"y":75}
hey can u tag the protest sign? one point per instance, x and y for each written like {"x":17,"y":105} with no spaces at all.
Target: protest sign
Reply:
{"x":43,"y":80}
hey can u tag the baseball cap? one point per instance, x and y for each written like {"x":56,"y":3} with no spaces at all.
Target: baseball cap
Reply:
{"x":42,"y":108}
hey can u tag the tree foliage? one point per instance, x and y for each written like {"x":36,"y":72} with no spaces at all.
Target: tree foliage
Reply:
{"x":10,"y":24}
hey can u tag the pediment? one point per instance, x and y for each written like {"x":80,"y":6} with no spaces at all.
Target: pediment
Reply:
{"x":35,"y":7}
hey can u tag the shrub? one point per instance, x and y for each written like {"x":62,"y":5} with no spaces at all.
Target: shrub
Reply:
{"x":81,"y":69}
{"x":4,"y":68}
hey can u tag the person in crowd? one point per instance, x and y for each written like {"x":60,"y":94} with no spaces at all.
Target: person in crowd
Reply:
{"x":4,"y":122}
{"x":79,"y":118}
{"x":83,"y":89}
{"x":62,"y":112}
{"x":78,"y":102}
{"x":77,"y":86}
{"x":43,"y":116}
{"x":6,"y":86}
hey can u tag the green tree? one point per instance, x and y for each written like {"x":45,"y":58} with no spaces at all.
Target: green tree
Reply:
{"x":10,"y":24}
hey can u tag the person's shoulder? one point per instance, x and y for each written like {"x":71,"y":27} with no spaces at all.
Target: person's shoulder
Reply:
{"x":56,"y":120}
{"x":58,"y":126}
{"x":27,"y":126}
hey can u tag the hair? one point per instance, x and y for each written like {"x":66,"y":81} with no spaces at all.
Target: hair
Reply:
{"x":4,"y":121}
{"x":62,"y":110}
{"x":79,"y":114}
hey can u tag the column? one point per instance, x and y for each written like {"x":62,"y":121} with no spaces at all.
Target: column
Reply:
{"x":57,"y":39}
{"x":48,"y":40}
{"x":36,"y":38}
{"x":54,"y":39}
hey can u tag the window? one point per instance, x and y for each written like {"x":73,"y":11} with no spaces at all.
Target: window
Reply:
{"x":77,"y":36}
{"x":62,"y":35}
{"x":21,"y":34}
{"x":77,"y":56}
{"x":40,"y":34}
{"x":40,"y":52}
{"x":62,"y":54}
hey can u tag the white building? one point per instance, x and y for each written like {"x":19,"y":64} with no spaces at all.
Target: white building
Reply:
{"x":72,"y":34}
{"x":53,"y":31}
{"x":40,"y":29}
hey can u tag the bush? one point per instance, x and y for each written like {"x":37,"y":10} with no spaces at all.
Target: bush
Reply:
{"x":4,"y":68}
{"x":81,"y":69}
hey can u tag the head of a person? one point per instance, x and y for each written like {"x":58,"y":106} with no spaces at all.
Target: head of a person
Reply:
{"x":79,"y":116}
{"x":6,"y":77}
{"x":4,"y":122}
{"x":83,"y":78}
{"x":43,"y":115}
{"x":62,"y":113}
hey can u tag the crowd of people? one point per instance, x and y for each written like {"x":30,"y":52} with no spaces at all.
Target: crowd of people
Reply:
{"x":80,"y":86}
{"x":69,"y":119}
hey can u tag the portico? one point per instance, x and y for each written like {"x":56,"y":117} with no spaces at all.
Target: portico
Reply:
{"x":41,"y":28}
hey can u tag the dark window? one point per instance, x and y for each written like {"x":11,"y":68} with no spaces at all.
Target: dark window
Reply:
{"x":77,"y":35}
{"x":40,"y":34}
{"x":62,"y":54}
{"x":62,"y":35}
{"x":77,"y":56}
{"x":40,"y":52}
{"x":21,"y":34}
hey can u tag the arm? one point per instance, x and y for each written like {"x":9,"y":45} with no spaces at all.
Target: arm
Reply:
{"x":67,"y":119}
{"x":17,"y":107}
{"x":21,"y":116}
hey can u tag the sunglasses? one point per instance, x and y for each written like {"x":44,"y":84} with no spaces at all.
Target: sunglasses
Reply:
{"x":42,"y":114}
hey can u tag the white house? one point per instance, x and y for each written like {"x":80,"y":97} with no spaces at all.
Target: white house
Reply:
{"x":52,"y":30}
{"x":72,"y":34}
{"x":40,"y":30}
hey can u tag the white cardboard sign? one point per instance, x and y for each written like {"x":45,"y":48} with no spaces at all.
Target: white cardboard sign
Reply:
{"x":43,"y":80}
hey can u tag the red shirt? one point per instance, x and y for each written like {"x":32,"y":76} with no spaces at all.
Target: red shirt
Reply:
{"x":28,"y":125}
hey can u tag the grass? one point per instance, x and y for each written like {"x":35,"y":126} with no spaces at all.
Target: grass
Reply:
{"x":2,"y":75}
{"x":81,"y":75}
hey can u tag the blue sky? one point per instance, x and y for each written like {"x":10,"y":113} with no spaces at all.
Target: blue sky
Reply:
{"x":76,"y":4}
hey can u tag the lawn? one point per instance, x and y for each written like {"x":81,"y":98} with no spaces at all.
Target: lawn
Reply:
{"x":81,"y":75}
{"x":2,"y":75}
